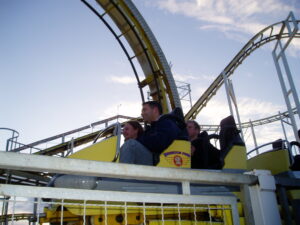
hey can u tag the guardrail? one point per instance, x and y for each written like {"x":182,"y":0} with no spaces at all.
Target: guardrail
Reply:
{"x":253,"y":186}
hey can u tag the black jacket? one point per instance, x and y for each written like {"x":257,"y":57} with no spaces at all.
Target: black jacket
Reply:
{"x":206,"y":156}
{"x":161,"y":133}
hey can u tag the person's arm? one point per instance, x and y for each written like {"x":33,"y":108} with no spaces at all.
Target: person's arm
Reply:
{"x":160,"y":136}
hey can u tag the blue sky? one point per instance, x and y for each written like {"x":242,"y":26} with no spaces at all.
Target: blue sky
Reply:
{"x":61,"y":68}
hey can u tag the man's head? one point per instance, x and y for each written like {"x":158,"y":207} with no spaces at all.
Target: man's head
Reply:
{"x":193,"y":129}
{"x":151,"y":111}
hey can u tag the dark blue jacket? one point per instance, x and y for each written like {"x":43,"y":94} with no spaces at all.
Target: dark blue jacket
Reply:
{"x":160,"y":134}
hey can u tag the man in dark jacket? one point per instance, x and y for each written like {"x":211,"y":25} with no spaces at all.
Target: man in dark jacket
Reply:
{"x":163,"y":130}
{"x":204,"y":154}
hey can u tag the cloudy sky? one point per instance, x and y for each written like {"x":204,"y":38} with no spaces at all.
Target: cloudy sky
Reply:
{"x":61,"y":68}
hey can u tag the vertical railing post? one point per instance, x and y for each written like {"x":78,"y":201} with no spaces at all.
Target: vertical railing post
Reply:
{"x":227,"y":92}
{"x":254,"y":137}
{"x":261,"y":206}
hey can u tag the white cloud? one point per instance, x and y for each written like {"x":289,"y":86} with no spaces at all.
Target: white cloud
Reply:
{"x":239,"y":20}
{"x":184,"y":77}
{"x":189,"y":78}
{"x":122,"y":79}
{"x":249,"y":108}
{"x":129,"y":108}
{"x":263,"y":134}
{"x":294,"y":47}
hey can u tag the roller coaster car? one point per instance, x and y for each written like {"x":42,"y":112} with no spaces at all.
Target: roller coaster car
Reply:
{"x":282,"y":164}
{"x":279,"y":160}
{"x":176,"y":155}
{"x":232,"y":153}
{"x":233,"y":150}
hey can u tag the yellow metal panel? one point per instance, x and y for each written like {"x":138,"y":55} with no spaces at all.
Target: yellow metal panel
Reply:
{"x":293,"y":194}
{"x":55,"y":217}
{"x":236,"y":158}
{"x":183,"y":222}
{"x":177,"y":155}
{"x":116,"y":208}
{"x":275,"y":161}
{"x":118,"y":219}
{"x":101,"y":151}
{"x":116,"y":212}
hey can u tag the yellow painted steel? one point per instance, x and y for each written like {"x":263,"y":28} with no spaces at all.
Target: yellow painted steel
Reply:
{"x":112,"y":213}
{"x":101,"y":151}
{"x":177,"y":155}
{"x":293,"y":194}
{"x":184,"y":222}
{"x":53,"y":216}
{"x":145,"y":52}
{"x":98,"y":208}
{"x":276,"y":161}
{"x":131,"y":218}
{"x":236,"y":158}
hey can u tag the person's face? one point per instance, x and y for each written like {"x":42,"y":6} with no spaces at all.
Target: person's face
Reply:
{"x":192,"y":131}
{"x":149,"y":114}
{"x":129,"y":132}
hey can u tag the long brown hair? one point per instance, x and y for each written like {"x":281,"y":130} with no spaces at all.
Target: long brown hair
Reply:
{"x":137,"y":126}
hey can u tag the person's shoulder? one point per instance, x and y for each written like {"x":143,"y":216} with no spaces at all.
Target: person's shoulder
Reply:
{"x":203,"y":134}
{"x":166,"y":118}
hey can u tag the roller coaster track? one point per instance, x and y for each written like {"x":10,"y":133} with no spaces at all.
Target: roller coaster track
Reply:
{"x":271,"y":33}
{"x":155,"y":67}
{"x":253,"y":123}
{"x":158,"y":76}
{"x":133,"y":27}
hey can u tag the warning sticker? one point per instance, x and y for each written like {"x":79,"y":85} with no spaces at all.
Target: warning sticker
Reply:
{"x":178,"y":160}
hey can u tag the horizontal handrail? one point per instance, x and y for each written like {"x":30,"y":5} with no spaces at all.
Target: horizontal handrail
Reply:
{"x":75,"y":131}
{"x":115,"y":196}
{"x":18,"y":161}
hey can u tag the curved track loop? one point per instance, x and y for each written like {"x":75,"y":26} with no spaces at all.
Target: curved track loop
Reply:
{"x":253,"y":123}
{"x":271,"y":33}
{"x":146,"y":50}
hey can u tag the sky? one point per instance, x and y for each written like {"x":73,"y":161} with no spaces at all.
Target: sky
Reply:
{"x":62,"y":69}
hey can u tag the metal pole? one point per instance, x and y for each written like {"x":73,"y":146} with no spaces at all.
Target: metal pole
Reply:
{"x":276,"y":57}
{"x":291,"y":82}
{"x":285,"y":94}
{"x":7,"y":181}
{"x":227,"y":92}
{"x":236,"y":108}
{"x":189,"y":89}
{"x":282,"y":125}
{"x":253,"y":135}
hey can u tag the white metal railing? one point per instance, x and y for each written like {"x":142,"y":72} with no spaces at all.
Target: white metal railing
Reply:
{"x":253,"y":186}
{"x":67,"y":136}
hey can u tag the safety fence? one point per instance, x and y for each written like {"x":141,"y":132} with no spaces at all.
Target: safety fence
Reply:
{"x":253,"y":201}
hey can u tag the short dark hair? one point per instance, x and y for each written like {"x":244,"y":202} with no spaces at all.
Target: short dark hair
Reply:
{"x":154,"y":104}
{"x":196,"y":125}
{"x":136,"y":125}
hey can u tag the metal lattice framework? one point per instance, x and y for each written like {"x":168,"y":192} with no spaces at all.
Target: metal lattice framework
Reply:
{"x":270,"y":33}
